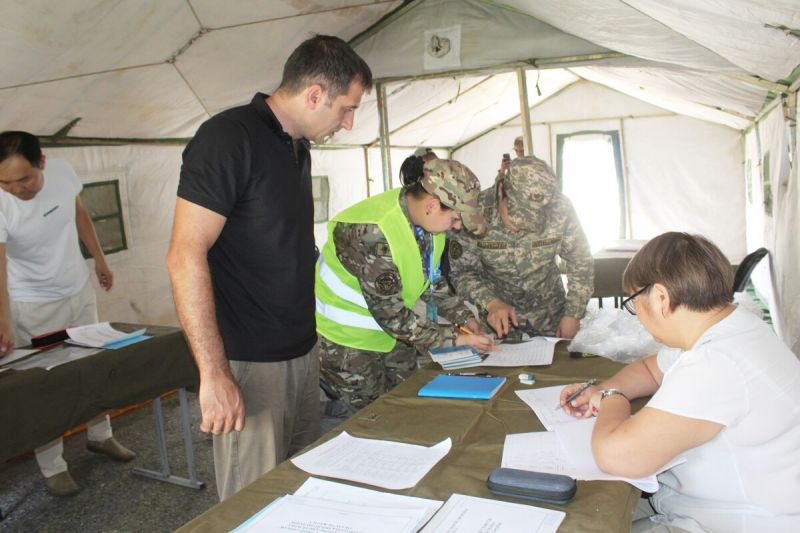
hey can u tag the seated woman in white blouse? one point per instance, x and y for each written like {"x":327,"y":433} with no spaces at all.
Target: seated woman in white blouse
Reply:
{"x":725,"y":395}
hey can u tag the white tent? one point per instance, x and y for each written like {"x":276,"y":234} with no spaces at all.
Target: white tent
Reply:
{"x":702,"y":95}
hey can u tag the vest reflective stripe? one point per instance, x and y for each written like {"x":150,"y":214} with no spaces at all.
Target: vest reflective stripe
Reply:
{"x":347,"y":318}
{"x":338,"y":286}
{"x":342,"y":314}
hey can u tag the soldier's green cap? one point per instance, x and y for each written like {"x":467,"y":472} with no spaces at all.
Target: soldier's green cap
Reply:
{"x":455,"y":186}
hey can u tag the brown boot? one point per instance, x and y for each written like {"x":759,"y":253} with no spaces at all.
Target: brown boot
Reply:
{"x":61,"y":484}
{"x":111,"y":448}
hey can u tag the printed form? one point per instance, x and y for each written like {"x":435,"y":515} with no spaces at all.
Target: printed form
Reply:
{"x":388,"y":464}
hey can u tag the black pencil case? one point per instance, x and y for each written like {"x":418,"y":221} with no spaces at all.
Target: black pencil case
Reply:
{"x":551,"y":488}
{"x":48,"y":339}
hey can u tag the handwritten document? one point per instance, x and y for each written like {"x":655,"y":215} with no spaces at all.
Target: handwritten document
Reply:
{"x":468,"y":514}
{"x":543,"y":402}
{"x":535,"y":352}
{"x":388,"y":464}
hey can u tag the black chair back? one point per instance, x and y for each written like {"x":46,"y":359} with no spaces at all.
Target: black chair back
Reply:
{"x":746,"y":268}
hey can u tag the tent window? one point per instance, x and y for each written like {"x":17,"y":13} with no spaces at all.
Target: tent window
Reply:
{"x":590,"y":174}
{"x":319,"y":188}
{"x":102,"y":202}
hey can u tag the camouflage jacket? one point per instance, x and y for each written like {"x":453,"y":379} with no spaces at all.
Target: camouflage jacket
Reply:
{"x":364,"y":251}
{"x":522,"y":268}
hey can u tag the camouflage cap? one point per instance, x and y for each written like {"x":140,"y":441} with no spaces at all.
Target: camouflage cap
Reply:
{"x":529,"y":186}
{"x":455,"y":186}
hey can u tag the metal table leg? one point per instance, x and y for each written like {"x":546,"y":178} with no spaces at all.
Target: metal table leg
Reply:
{"x":164,"y":474}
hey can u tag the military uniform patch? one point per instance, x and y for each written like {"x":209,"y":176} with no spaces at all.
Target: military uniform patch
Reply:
{"x":456,"y":250}
{"x":492,"y":245}
{"x":387,"y":283}
{"x":382,"y":249}
{"x":545,"y":242}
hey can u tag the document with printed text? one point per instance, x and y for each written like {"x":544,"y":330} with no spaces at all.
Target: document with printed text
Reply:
{"x":388,"y":464}
{"x":469,"y":514}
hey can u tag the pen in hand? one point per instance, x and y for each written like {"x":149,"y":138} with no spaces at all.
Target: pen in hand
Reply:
{"x":576,"y":394}
{"x":464,"y":329}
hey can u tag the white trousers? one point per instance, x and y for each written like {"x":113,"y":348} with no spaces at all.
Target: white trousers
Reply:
{"x":35,"y":318}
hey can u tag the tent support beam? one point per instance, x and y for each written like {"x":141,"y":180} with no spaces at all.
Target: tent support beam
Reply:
{"x":524,"y":111}
{"x":448,"y":102}
{"x":52,"y":141}
{"x":366,"y":169}
{"x":555,"y":62}
{"x":383,"y":119}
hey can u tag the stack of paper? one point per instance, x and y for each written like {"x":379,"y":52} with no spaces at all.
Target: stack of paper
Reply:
{"x":324,"y":506}
{"x":566,"y":446}
{"x":454,"y":357}
{"x":102,"y":335}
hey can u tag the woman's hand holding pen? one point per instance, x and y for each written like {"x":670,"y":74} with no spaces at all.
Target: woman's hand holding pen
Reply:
{"x":472,"y":334}
{"x":578,"y":406}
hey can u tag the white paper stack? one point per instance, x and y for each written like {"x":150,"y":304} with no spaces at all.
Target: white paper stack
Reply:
{"x":454,"y":357}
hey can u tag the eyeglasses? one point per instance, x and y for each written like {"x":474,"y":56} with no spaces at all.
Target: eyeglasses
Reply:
{"x":629,"y":304}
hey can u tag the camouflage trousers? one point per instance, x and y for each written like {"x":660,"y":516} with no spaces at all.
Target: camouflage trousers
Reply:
{"x":357,"y":377}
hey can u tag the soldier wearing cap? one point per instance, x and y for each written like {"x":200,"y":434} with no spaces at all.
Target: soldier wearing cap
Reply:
{"x":512,"y":274}
{"x":382,"y":255}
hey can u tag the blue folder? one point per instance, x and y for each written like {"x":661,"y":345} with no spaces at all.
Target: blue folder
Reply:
{"x":467,"y":387}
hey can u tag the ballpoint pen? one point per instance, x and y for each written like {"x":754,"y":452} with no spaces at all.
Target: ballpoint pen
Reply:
{"x":576,"y":393}
{"x":465,"y":329}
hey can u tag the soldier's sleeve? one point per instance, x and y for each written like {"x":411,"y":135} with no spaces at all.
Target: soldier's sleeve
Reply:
{"x":466,"y":270}
{"x":451,"y":306}
{"x":577,"y":254}
{"x":363,"y":251}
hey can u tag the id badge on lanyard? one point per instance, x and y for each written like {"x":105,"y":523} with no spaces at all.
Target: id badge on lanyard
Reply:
{"x":431,"y":309}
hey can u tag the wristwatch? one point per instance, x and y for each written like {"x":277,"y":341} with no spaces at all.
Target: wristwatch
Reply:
{"x":611,"y":392}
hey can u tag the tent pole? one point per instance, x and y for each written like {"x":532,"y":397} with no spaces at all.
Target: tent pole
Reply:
{"x":525,"y":111}
{"x":383,"y":119}
{"x":366,"y":168}
{"x":625,"y":181}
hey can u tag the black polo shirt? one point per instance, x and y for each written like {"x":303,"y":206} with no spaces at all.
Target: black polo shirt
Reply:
{"x":242,"y":165}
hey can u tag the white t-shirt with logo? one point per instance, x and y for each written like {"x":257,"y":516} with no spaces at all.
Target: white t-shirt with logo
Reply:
{"x":44,"y":262}
{"x":747,"y":479}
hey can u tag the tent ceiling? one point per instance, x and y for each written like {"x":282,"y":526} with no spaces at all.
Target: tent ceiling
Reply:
{"x":158,"y":68}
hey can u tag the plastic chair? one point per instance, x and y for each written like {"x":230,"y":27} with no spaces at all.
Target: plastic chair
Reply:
{"x":746,"y":268}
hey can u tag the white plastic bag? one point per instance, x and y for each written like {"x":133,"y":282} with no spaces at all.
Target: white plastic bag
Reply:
{"x":615,"y":334}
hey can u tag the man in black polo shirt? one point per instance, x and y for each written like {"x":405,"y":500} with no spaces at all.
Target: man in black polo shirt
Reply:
{"x":241,"y":259}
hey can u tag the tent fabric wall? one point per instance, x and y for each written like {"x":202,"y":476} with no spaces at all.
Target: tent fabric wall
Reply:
{"x":773,"y":218}
{"x":148,"y":179}
{"x":676,"y":166}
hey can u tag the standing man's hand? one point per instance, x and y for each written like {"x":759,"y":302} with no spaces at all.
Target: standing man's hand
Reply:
{"x":6,"y":339}
{"x":221,"y":405}
{"x":104,"y":275}
{"x":501,"y":316}
{"x":568,"y":327}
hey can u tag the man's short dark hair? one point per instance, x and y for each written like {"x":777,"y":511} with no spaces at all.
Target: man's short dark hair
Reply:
{"x":20,"y":143}
{"x":327,"y":61}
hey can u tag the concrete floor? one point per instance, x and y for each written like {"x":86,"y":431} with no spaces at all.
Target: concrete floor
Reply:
{"x":112,"y":499}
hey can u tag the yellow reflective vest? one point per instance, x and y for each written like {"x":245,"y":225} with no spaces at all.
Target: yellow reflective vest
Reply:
{"x":342,"y":313}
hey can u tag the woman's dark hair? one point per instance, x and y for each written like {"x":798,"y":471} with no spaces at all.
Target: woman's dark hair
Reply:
{"x":20,"y":143}
{"x":694,"y":271}
{"x":411,"y":172}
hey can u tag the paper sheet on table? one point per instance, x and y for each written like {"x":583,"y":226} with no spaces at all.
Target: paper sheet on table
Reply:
{"x":388,"y":464}
{"x":54,"y":357}
{"x":543,"y":452}
{"x":99,"y":335}
{"x":468,"y":514}
{"x":535,"y":352}
{"x":339,"y":492}
{"x":576,"y":441}
{"x":543,"y":401}
{"x":313,"y":515}
{"x":15,"y":355}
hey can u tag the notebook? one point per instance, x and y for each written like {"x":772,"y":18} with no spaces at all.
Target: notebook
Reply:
{"x":468,"y":387}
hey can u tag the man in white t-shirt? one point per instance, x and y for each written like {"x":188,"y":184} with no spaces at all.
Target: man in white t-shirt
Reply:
{"x":44,"y":280}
